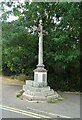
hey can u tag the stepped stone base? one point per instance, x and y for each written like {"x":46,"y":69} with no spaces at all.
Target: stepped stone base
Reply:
{"x":38,"y":93}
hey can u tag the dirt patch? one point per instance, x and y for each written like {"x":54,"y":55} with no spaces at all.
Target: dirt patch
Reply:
{"x":8,"y":80}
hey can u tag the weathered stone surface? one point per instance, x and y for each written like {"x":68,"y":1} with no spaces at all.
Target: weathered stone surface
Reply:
{"x":29,"y":82}
{"x":40,"y":77}
{"x":39,"y":96}
{"x":40,"y":85}
{"x":40,"y":69}
{"x":38,"y":93}
{"x":34,"y":89}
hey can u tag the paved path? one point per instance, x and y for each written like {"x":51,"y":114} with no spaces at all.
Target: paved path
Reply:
{"x":69,"y":107}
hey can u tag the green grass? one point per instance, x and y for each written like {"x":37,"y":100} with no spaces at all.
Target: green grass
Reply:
{"x":18,"y":95}
{"x":55,"y":100}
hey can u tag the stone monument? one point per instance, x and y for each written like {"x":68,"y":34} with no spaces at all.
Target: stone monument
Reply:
{"x":38,"y":89}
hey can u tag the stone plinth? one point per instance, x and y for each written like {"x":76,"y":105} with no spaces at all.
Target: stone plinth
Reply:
{"x":37,"y":93}
{"x":38,"y":90}
{"x":40,"y":77}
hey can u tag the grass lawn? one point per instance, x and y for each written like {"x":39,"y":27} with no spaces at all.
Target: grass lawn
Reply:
{"x":9,"y":80}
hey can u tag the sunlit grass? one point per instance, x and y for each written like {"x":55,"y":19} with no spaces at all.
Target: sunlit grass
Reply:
{"x":9,"y":80}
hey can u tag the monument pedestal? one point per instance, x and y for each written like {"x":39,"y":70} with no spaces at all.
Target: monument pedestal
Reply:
{"x":40,"y":77}
{"x":38,"y":90}
{"x":37,"y":93}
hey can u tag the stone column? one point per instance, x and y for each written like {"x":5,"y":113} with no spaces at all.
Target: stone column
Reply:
{"x":40,"y":73}
{"x":40,"y":53}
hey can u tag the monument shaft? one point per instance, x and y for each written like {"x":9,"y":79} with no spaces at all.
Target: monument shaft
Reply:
{"x":40,"y":74}
{"x":40,"y":54}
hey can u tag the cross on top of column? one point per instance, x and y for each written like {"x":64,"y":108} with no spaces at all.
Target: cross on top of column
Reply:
{"x":40,"y":31}
{"x":40,"y":28}
{"x":40,"y":21}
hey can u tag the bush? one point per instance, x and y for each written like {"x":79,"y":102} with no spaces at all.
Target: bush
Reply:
{"x":22,"y":77}
{"x":19,"y":93}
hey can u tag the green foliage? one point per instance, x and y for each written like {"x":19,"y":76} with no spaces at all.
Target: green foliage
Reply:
{"x":22,"y":77}
{"x":61,"y":45}
{"x":18,"y":95}
{"x":16,"y":48}
{"x":55,"y":100}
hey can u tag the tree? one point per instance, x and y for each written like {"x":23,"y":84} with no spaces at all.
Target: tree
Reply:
{"x":17,"y":52}
{"x":61,"y":44}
